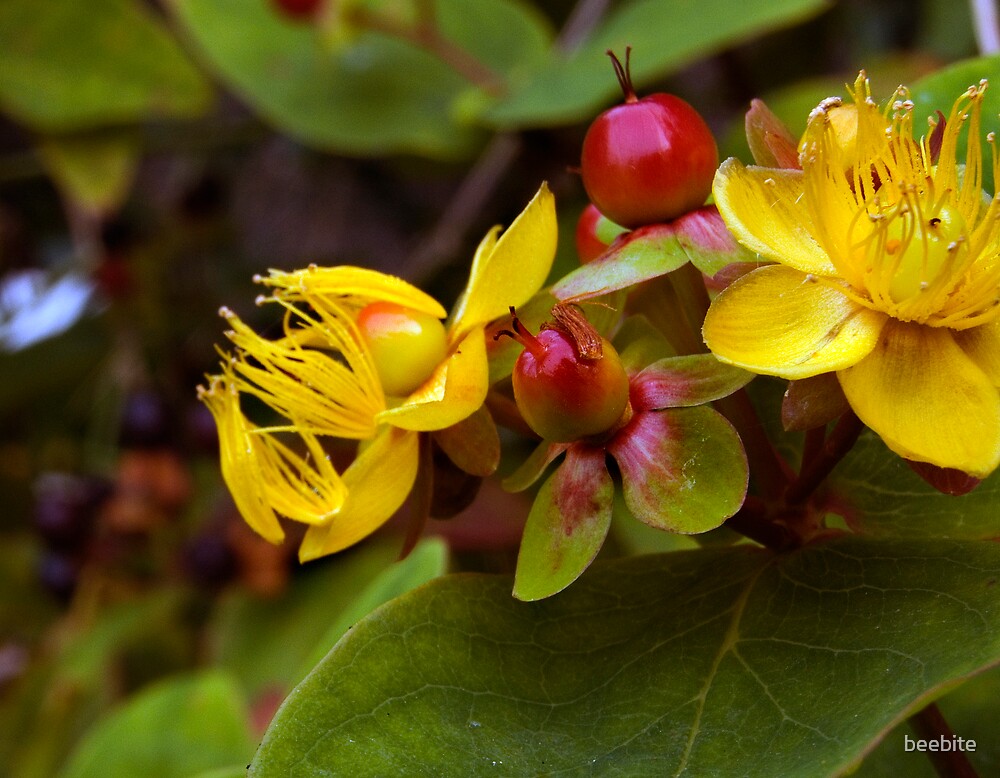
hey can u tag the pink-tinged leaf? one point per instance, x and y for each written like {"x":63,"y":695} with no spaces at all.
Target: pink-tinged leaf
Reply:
{"x":566,"y":526}
{"x":678,"y":382}
{"x":533,"y":467}
{"x":655,"y":250}
{"x":704,"y":237}
{"x":771,"y":142}
{"x":813,"y":402}
{"x":683,"y":469}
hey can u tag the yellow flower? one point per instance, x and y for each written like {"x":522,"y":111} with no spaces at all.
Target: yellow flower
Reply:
{"x":327,"y":376}
{"x":888,"y":274}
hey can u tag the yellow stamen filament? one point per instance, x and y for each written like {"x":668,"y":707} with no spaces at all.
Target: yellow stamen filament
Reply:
{"x":919,"y":245}
{"x":332,"y":391}
{"x":263,"y":474}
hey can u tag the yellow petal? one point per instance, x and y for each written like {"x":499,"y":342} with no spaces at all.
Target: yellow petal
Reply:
{"x":455,"y":391}
{"x":982,"y":344}
{"x":510,"y":270}
{"x":766,"y":211}
{"x":377,"y":482}
{"x":927,"y":399}
{"x":777,"y":321}
{"x":264,"y":476}
{"x":356,"y":285}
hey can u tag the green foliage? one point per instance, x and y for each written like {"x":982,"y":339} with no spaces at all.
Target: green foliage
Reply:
{"x":270,"y":644}
{"x":719,"y":662}
{"x":82,"y":65}
{"x":664,"y":36}
{"x":938,"y":91}
{"x":173,"y":730}
{"x":881,"y":497}
{"x":370,"y":94}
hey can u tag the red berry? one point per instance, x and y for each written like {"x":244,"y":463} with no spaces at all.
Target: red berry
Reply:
{"x":594,"y":233}
{"x":298,"y":9}
{"x":562,"y":395}
{"x":648,"y":160}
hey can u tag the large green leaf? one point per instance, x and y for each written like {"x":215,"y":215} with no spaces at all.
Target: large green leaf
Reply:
{"x":937,"y":92}
{"x":426,"y":562}
{"x":371,"y":94}
{"x":664,"y":37}
{"x":172,"y":730}
{"x":879,"y":495}
{"x":717,"y":662}
{"x":74,"y":64}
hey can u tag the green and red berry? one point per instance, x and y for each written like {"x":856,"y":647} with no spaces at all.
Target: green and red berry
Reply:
{"x":569,"y":383}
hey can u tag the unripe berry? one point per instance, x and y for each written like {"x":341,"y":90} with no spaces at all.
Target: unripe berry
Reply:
{"x":564,"y":395}
{"x":405,"y":345}
{"x":650,"y":160}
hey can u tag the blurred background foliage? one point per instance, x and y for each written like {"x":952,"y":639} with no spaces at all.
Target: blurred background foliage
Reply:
{"x":153,"y":157}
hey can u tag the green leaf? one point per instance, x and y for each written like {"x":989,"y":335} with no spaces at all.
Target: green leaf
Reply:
{"x":722,"y":662}
{"x":700,"y":237}
{"x":173,"y":729}
{"x":370,"y":95}
{"x":269,"y":643}
{"x":93,"y":170}
{"x":940,"y":90}
{"x":567,"y":524}
{"x":426,"y":562}
{"x":639,"y":343}
{"x":234,"y":771}
{"x":78,"y":65}
{"x":664,"y":37}
{"x":683,"y":469}
{"x":879,"y":495}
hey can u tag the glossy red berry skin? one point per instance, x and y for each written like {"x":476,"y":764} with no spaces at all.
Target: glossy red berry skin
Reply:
{"x":565,"y":398}
{"x":594,"y":233}
{"x":648,"y":160}
{"x":298,"y":9}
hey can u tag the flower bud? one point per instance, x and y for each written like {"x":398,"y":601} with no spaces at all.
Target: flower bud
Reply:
{"x":405,"y":345}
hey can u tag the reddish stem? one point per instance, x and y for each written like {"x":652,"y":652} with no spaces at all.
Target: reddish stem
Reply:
{"x":812,"y":446}
{"x":522,"y":336}
{"x":624,"y":73}
{"x":752,"y":521}
{"x":420,"y":498}
{"x":930,"y":724}
{"x":842,"y":439}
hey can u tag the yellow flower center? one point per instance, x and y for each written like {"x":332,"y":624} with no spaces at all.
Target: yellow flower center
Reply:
{"x":917,"y":251}
{"x":903,"y":222}
{"x":405,"y":345}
